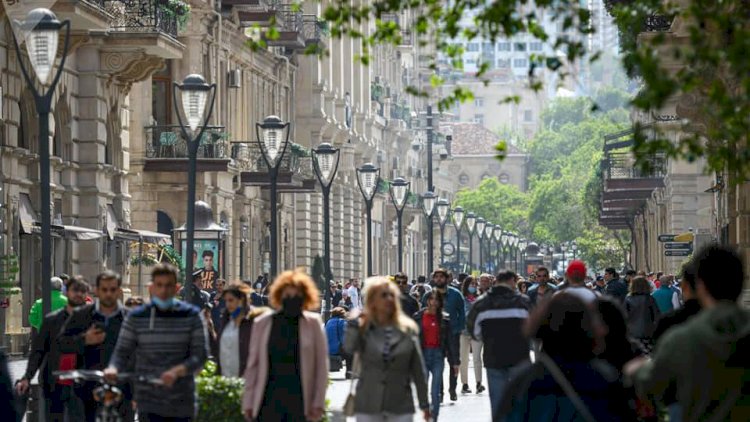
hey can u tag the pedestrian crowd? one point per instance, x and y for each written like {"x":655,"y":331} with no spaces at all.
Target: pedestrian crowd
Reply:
{"x":580,"y":348}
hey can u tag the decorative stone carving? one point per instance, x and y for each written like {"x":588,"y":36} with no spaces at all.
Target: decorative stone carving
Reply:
{"x":126,"y":218}
{"x":126,"y":68}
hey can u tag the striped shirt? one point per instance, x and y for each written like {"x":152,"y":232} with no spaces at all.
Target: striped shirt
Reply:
{"x":160,"y":340}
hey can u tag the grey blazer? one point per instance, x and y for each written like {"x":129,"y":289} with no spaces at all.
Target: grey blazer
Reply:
{"x":386,"y":386}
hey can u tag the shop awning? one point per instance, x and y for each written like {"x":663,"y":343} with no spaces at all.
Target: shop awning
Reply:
{"x":30,"y":225}
{"x":112,"y":222}
{"x":78,"y":233}
{"x":143,"y":235}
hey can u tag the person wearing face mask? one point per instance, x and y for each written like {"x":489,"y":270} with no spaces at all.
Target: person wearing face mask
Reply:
{"x":470,"y":290}
{"x":287,"y":366}
{"x":233,"y":340}
{"x":167,"y":337}
{"x":456,"y":309}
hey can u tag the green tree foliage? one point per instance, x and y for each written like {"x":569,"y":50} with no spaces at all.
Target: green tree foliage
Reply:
{"x":498,"y":203}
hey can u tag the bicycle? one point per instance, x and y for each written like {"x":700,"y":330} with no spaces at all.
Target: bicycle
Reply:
{"x":108,"y":395}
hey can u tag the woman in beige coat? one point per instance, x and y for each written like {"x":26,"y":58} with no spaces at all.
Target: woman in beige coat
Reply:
{"x":283,"y":383}
{"x":387,"y":342}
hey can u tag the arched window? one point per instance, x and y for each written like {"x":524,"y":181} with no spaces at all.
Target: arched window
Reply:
{"x":62,"y":145}
{"x":27,"y":126}
{"x":114,"y":129}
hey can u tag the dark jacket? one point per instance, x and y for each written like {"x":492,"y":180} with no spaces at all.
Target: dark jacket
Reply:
{"x":11,"y":409}
{"x":245,"y":334}
{"x":73,"y":339}
{"x":44,"y":346}
{"x":617,"y":289}
{"x":497,"y":318}
{"x":454,"y":306}
{"x":449,"y":347}
{"x":533,"y":292}
{"x":409,"y":305}
{"x":676,"y":317}
{"x":642,"y":315}
{"x":534,"y":395}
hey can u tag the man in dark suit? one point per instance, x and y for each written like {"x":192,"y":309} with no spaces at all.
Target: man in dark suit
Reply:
{"x":46,"y":357}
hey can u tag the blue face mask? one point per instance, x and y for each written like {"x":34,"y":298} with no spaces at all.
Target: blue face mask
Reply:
{"x":472,"y":289}
{"x":163,"y":305}
{"x":236,"y":312}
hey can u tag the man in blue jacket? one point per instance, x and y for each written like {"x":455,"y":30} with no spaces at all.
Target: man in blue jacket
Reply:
{"x":454,"y":306}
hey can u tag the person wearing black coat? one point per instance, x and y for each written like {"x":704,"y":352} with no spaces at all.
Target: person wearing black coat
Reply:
{"x":435,"y":339}
{"x":7,"y":398}
{"x":642,"y":311}
{"x":409,"y":305}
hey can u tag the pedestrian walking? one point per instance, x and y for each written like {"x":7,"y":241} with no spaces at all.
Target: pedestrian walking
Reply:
{"x":61,"y":402}
{"x":496,"y":319}
{"x":409,"y":305}
{"x":386,"y":344}
{"x":642,"y":312}
{"x":614,"y":286}
{"x":565,"y":382}
{"x":575,"y":276}
{"x":470,"y":290}
{"x":91,"y":334}
{"x":435,"y":339}
{"x":287,"y":367}
{"x":335,"y":329}
{"x":711,"y":375}
{"x":456,"y":309}
{"x":667,"y":299}
{"x":354,"y":294}
{"x":542,"y":289}
{"x":58,"y":301}
{"x":168,"y":338}
{"x":230,"y":348}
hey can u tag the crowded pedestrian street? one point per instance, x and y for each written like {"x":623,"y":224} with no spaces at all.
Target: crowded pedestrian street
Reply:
{"x":374,"y":211}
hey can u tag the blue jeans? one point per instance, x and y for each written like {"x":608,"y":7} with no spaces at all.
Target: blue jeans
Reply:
{"x":675,"y":412}
{"x":434,"y":361}
{"x":497,"y":381}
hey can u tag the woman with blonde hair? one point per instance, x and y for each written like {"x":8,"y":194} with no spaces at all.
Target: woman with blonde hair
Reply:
{"x":281,"y":382}
{"x":388,"y":348}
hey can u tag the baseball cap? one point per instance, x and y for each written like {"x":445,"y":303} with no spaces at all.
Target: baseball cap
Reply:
{"x":576,"y":269}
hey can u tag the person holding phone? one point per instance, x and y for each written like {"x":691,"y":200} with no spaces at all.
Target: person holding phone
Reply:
{"x":92,"y":334}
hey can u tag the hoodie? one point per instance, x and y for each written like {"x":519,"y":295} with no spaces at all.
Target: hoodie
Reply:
{"x":706,"y":361}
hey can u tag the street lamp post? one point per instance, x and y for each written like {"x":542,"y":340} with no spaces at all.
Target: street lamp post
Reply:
{"x":195,"y":92}
{"x":368,"y":177}
{"x":41,"y":31}
{"x":514,"y":250}
{"x":458,"y":220}
{"x":471,"y":221}
{"x":443,"y":209}
{"x":273,"y":143}
{"x":522,"y":252}
{"x":481,"y":223}
{"x":399,"y":193}
{"x":574,"y":247}
{"x":497,"y":234}
{"x":488,"y":229}
{"x":326,"y":164}
{"x":505,"y":242}
{"x":563,"y":247}
{"x":428,"y":206}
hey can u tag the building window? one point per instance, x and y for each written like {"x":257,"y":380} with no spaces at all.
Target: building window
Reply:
{"x":471,"y":61}
{"x":463,"y":179}
{"x":472,"y":46}
{"x":535,"y":46}
{"x":504,"y":178}
{"x":520,"y":63}
{"x":479,"y":102}
{"x":503,"y":46}
{"x":519,"y":46}
{"x":503,"y":63}
{"x":487,"y":47}
{"x":479,"y":119}
{"x":528,"y":115}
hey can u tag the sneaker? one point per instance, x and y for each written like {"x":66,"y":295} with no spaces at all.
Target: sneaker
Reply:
{"x":454,"y":396}
{"x":480,"y":388}
{"x":465,"y":389}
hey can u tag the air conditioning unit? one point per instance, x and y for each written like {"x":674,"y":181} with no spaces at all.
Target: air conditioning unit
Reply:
{"x":235,"y":78}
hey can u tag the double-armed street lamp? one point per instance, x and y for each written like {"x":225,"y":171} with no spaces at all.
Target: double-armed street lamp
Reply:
{"x":399,"y":193}
{"x":458,"y":221}
{"x":481,"y":223}
{"x":194,"y":91}
{"x":41,"y":31}
{"x":326,"y":164}
{"x":429,"y":200}
{"x":273,"y":138}
{"x":443,"y":210}
{"x":368,"y":177}
{"x":471,"y":222}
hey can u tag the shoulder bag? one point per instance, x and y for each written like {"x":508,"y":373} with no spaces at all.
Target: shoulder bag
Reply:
{"x":351,"y":398}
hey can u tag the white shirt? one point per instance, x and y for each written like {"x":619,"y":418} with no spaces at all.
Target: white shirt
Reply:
{"x":229,"y":350}
{"x":354,"y":296}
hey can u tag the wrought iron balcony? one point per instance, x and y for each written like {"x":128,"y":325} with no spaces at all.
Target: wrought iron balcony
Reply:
{"x":621,"y":165}
{"x":147,"y":16}
{"x":296,"y":172}
{"x":658,"y":23}
{"x":314,"y":30}
{"x":166,"y":149}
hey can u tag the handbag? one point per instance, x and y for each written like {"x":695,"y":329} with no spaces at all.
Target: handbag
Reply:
{"x":351,"y":398}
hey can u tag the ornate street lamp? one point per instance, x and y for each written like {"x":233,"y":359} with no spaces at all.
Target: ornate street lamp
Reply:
{"x":273,"y":138}
{"x":522,"y":252}
{"x":399,"y":193}
{"x":429,"y":200}
{"x":481,"y":223}
{"x":368,"y":177}
{"x":497,"y":234}
{"x":488,"y":229}
{"x":41,"y":31}
{"x":505,"y":242}
{"x":443,"y":209}
{"x":194,"y":90}
{"x":574,"y":247}
{"x":513,"y":239}
{"x":563,"y":248}
{"x":471,"y":222}
{"x":458,"y":220}
{"x":326,"y":164}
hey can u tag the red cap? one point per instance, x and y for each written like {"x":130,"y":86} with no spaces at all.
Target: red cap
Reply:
{"x":576,"y":269}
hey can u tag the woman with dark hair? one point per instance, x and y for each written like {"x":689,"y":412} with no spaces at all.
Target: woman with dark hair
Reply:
{"x":643,"y":312}
{"x":564,"y":381}
{"x":470,"y":290}
{"x":619,"y":349}
{"x":335,"y":328}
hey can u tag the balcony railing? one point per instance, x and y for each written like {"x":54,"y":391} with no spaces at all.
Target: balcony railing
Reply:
{"x":622,"y":165}
{"x":168,"y":142}
{"x":658,"y":23}
{"x":289,"y":18}
{"x":313,"y":29}
{"x":248,"y":158}
{"x":142,"y":16}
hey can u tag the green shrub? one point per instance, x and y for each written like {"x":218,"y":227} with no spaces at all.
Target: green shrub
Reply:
{"x":219,"y":398}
